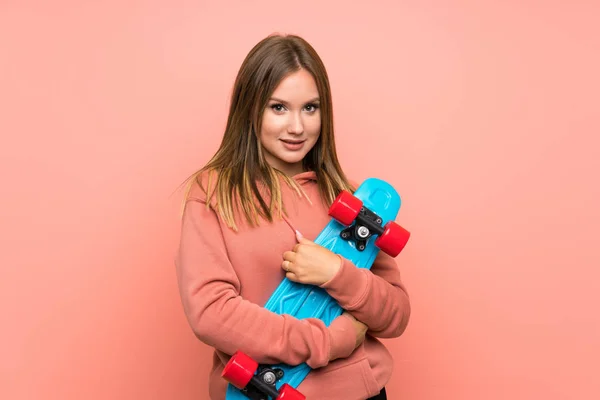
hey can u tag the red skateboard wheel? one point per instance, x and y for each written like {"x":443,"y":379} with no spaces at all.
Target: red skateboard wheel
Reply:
{"x":393,"y":239}
{"x":239,"y":370}
{"x":289,"y":393}
{"x":345,"y":207}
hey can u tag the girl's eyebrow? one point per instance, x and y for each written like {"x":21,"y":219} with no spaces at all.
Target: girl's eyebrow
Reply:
{"x":314,"y":100}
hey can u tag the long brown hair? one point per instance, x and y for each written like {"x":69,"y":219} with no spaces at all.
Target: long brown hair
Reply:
{"x":238,"y":168}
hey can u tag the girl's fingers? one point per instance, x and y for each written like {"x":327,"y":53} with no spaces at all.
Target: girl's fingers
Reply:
{"x":286,"y":265}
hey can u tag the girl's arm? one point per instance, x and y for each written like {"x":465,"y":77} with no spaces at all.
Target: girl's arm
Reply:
{"x":219,"y":317}
{"x":376,"y":297}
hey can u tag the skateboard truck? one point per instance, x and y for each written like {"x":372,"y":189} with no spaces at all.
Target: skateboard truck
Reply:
{"x":362,"y":223}
{"x":263,"y":383}
{"x":367,"y":224}
{"x":240,"y":372}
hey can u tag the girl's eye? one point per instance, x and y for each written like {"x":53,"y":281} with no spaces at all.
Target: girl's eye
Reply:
{"x":312,"y":107}
{"x":277,"y":107}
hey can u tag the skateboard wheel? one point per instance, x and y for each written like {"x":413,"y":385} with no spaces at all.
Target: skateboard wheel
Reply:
{"x":289,"y":393}
{"x":393,"y":239}
{"x":345,"y":207}
{"x":239,"y":370}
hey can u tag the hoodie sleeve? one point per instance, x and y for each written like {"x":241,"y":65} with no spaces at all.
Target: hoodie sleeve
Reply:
{"x":376,"y":297}
{"x":221,"y":318}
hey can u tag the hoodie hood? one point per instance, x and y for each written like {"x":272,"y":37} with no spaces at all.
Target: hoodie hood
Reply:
{"x":305,"y":177}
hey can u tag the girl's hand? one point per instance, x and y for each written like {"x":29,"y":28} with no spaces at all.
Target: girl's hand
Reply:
{"x":310,"y":263}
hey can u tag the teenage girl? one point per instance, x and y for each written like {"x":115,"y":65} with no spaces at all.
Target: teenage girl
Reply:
{"x":249,"y":218}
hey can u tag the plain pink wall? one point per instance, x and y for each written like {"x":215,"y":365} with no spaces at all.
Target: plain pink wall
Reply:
{"x":484,"y":115}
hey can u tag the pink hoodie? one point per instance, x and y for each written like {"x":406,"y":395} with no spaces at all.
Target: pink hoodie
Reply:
{"x":225,"y":278}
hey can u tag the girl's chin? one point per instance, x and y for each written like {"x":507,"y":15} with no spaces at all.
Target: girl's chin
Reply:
{"x":285,"y":160}
{"x":291,"y":157}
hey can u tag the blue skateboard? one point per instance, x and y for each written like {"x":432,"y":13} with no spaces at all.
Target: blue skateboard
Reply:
{"x":362,"y":223}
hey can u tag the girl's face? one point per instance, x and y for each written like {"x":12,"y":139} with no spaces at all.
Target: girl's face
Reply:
{"x":291,"y":122}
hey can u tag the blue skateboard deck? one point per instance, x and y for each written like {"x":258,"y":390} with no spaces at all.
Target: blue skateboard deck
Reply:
{"x":309,"y":301}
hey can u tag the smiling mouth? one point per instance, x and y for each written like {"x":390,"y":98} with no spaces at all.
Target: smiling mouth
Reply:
{"x":292,"y":141}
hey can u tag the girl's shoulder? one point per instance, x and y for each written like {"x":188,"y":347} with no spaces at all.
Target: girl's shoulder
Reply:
{"x":354,"y":184}
{"x":202,"y":185}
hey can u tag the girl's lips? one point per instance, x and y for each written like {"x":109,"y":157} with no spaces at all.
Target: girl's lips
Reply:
{"x":292,"y":141}
{"x":293,"y":145}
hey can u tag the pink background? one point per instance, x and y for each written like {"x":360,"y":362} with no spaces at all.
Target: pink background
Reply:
{"x":484,"y":115}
